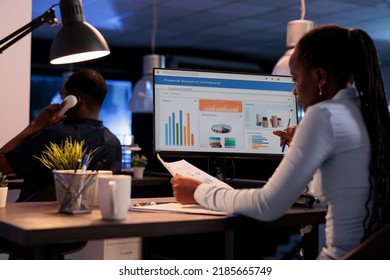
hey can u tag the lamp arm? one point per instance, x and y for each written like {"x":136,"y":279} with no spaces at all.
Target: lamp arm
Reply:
{"x":47,"y":17}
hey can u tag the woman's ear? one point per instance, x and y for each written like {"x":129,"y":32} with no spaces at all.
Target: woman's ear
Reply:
{"x":321,"y":76}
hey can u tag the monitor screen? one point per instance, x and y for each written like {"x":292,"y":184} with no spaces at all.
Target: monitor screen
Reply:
{"x":221,"y":114}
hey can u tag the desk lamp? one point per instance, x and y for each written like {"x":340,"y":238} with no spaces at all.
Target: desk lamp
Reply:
{"x":76,"y":41}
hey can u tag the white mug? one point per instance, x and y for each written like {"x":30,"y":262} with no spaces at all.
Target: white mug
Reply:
{"x":93,"y":196}
{"x":114,"y":196}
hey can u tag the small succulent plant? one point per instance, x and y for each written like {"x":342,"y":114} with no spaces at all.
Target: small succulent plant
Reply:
{"x":139,"y":160}
{"x":66,"y":156}
{"x":3,"y":180}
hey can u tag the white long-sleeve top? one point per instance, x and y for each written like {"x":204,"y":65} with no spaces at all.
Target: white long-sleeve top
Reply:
{"x":331,"y":147}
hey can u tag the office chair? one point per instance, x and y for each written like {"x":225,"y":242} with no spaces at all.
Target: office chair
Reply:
{"x":375,"y":247}
{"x":45,"y":194}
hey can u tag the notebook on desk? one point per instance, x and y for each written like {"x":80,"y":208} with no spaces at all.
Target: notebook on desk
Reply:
{"x":175,"y":207}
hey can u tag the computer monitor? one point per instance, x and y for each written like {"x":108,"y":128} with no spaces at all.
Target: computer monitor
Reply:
{"x":221,"y":114}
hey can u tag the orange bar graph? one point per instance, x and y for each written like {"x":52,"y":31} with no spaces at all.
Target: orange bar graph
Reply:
{"x":185,"y":135}
{"x":220,"y":105}
{"x":189,"y":129}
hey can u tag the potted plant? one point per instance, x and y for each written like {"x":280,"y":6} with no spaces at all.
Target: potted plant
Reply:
{"x":66,"y":156}
{"x":3,"y":190}
{"x":68,"y":162}
{"x":138,"y":163}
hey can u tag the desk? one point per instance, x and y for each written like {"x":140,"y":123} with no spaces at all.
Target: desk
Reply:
{"x":40,"y":224}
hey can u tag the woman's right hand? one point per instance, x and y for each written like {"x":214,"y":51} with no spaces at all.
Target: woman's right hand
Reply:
{"x":184,"y":188}
{"x":286,"y":135}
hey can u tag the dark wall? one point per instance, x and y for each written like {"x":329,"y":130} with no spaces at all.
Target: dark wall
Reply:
{"x":126,"y":63}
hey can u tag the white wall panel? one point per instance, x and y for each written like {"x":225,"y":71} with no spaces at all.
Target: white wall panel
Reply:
{"x":15,"y":65}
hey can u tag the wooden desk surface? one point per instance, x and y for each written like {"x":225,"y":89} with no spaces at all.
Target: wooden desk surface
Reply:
{"x":39,"y":223}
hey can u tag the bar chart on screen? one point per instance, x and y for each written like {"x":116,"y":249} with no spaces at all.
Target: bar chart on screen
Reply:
{"x":178,"y":129}
{"x":178,"y":120}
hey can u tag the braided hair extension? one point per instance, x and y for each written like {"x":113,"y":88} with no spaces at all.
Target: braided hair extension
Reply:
{"x":350,"y":55}
{"x":370,"y":86}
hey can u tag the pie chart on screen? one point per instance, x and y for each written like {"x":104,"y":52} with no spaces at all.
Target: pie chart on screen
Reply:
{"x":221,"y":128}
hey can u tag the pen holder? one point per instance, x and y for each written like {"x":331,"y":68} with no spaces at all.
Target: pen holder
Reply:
{"x":73,"y":190}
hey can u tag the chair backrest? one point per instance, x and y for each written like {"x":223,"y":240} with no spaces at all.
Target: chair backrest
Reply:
{"x":376,"y":247}
{"x":45,"y":194}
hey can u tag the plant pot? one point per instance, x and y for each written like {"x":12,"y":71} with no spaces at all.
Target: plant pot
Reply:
{"x":138,"y":172}
{"x":3,"y":196}
{"x":74,"y":190}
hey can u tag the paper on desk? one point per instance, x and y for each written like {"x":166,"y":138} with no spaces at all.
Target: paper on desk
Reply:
{"x":178,"y":208}
{"x":186,"y":169}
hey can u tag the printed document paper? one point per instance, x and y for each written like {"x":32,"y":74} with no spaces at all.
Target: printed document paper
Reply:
{"x":186,"y":169}
{"x":177,"y":207}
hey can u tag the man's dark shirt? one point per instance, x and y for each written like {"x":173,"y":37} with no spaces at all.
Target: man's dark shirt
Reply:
{"x":36,"y":176}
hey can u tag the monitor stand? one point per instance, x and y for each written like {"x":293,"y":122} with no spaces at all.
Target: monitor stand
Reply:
{"x":142,"y":129}
{"x":217,"y":167}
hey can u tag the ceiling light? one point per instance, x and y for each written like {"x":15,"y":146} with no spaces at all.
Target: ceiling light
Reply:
{"x":295,"y":30}
{"x":142,"y":96}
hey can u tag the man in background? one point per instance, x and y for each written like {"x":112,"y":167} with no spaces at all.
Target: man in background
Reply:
{"x":81,"y":123}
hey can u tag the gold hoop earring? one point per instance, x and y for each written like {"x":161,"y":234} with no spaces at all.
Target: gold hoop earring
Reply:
{"x":320,"y":92}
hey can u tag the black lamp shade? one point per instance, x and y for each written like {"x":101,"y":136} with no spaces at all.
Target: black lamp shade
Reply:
{"x":77,"y":40}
